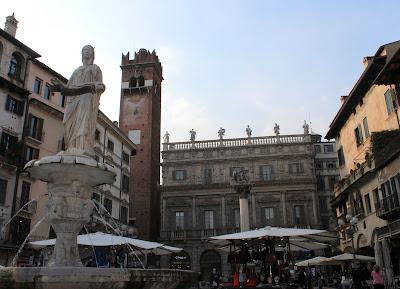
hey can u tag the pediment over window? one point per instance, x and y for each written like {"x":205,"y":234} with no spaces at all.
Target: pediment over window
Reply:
{"x":179,"y":205}
{"x":269,"y":199}
{"x":208,"y":204}
{"x":298,"y":198}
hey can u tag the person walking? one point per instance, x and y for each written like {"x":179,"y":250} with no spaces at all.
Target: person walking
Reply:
{"x":377,"y":275}
{"x":358,"y":275}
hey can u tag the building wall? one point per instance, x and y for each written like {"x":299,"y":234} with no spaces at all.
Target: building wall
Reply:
{"x":374,"y":108}
{"x":361,"y":180}
{"x":194,"y":196}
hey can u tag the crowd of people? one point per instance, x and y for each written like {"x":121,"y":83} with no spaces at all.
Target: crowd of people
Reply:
{"x":305,"y":278}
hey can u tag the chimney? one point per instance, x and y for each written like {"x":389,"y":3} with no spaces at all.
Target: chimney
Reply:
{"x":367,"y":61}
{"x":11,"y":25}
{"x":343,"y":99}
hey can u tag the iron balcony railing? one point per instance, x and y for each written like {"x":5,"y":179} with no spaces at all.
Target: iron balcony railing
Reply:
{"x":29,"y":208}
{"x":386,"y":231}
{"x":35,"y":134}
{"x":388,"y":206}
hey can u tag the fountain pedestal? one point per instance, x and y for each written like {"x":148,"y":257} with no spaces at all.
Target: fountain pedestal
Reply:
{"x":70,"y":182}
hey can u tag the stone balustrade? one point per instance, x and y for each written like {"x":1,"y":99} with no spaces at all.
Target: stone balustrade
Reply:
{"x":235,"y":142}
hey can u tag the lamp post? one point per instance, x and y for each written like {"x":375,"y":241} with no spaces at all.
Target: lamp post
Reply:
{"x":349,"y":228}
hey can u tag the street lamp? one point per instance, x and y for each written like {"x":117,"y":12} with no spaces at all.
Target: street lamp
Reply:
{"x":349,"y":228}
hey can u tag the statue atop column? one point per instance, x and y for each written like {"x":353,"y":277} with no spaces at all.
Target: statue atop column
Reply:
{"x":83,"y":92}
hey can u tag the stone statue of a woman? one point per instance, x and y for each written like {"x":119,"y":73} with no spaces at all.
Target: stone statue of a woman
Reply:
{"x":81,"y":111}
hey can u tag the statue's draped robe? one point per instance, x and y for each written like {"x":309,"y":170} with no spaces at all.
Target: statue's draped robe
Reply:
{"x":81,"y":111}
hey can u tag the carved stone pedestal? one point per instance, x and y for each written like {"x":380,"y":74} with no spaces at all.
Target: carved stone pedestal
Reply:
{"x":70,"y":181}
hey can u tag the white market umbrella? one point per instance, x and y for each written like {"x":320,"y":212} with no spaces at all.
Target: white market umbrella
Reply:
{"x":288,"y":238}
{"x":311,"y":262}
{"x":340,"y":259}
{"x":103,"y":239}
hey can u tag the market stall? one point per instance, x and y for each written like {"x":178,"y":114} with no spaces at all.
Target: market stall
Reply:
{"x":269,"y":249}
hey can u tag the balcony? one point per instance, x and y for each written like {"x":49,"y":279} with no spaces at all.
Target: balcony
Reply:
{"x":389,"y":230}
{"x":36,"y":136}
{"x":9,"y":160}
{"x":206,"y":233}
{"x":388,"y":208}
{"x":178,"y":235}
{"x":29,"y":209}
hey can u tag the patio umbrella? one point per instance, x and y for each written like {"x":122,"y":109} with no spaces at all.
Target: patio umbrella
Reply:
{"x":298,"y":238}
{"x":103,"y":239}
{"x":340,"y":259}
{"x":311,"y":262}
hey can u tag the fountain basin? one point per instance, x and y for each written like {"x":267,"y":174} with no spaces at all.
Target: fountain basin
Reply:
{"x":93,"y":278}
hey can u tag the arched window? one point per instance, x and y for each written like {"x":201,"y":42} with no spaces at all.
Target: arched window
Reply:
{"x":133,"y":82}
{"x":15,"y":65}
{"x":141,"y":81}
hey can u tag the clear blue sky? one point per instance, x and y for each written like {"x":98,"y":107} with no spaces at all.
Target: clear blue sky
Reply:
{"x":226,"y":63}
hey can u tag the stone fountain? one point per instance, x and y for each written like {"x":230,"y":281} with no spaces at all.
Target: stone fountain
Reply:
{"x":71,"y":176}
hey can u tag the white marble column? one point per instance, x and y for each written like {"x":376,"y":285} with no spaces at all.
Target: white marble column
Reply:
{"x":244,"y":214}
{"x":284,"y":209}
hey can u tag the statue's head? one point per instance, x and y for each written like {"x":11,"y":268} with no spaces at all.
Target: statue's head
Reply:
{"x":88,"y":54}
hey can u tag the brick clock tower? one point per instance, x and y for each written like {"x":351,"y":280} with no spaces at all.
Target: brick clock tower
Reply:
{"x":140,"y":120}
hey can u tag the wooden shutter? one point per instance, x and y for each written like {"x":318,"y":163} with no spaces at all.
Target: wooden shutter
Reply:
{"x":383,"y":191}
{"x":184,"y":175}
{"x":20,"y":107}
{"x":261,"y":173}
{"x":8,"y":102}
{"x":28,"y":126}
{"x":360,"y":133}
{"x":301,"y":168}
{"x":231,"y":172}
{"x":272,"y":172}
{"x":174,"y":175}
{"x":35,"y":154}
{"x":40,"y":129}
{"x":14,"y":142}
{"x":3,"y":141}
